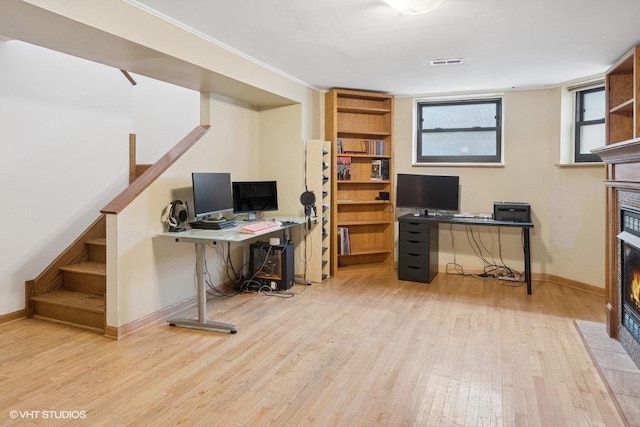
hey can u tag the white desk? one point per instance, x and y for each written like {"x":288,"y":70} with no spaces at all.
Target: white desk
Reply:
{"x":203,"y":237}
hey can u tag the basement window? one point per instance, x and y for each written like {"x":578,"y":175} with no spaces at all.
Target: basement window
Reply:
{"x":459,"y":131}
{"x":589,"y":131}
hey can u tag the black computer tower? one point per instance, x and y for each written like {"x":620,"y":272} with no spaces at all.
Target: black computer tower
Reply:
{"x":272,"y":263}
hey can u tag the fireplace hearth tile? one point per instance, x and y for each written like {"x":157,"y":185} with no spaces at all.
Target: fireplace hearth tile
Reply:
{"x":594,"y":334}
{"x":623,"y":382}
{"x":618,"y":360}
{"x":633,"y":406}
{"x":617,"y":370}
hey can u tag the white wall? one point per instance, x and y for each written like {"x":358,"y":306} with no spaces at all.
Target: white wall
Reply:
{"x":567,"y":203}
{"x":64,"y":126}
{"x":153,"y":273}
{"x":162,"y":115}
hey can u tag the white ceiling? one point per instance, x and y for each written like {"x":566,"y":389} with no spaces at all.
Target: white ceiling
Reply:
{"x":364,"y":44}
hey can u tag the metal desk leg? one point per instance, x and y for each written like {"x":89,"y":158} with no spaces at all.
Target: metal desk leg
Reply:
{"x":202,"y":323}
{"x":527,"y":260}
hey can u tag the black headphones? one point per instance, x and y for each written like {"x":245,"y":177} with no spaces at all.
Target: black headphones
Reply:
{"x":174,"y":214}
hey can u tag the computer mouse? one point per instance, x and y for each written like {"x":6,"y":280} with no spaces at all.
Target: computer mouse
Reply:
{"x":278,"y":222}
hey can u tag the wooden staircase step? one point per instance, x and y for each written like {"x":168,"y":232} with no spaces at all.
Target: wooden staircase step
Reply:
{"x":97,"y":250}
{"x":140,"y":169}
{"x":75,"y":308}
{"x":88,"y":277}
{"x":90,"y":267}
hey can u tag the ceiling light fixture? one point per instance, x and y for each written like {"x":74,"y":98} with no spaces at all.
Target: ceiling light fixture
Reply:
{"x":413,"y":7}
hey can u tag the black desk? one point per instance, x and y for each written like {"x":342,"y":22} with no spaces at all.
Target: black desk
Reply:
{"x":418,"y":244}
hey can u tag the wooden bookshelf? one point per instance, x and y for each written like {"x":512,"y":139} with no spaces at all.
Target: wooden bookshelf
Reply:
{"x":623,"y":98}
{"x":359,"y":125}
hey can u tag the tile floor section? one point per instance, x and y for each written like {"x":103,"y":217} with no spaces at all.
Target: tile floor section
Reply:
{"x":616,"y":368}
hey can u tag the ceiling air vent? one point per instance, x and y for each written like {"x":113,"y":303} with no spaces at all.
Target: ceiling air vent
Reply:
{"x":441,"y":62}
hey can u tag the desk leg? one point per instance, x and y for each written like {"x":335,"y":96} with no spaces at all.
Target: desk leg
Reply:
{"x":527,"y":260}
{"x":202,"y":323}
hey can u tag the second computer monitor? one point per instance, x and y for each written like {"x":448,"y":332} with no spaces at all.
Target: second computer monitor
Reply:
{"x":252,"y":197}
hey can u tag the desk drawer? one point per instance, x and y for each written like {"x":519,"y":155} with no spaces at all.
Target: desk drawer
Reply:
{"x":415,"y":274}
{"x":413,"y":259}
{"x":414,"y":236}
{"x":413,"y":245}
{"x":408,"y":225}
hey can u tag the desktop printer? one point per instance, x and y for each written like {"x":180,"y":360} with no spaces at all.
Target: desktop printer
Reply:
{"x":512,"y":211}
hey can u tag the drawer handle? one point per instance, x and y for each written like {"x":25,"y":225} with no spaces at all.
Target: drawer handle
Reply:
{"x":413,"y":268}
{"x":413,"y":254}
{"x":413,"y":232}
{"x":413,"y":241}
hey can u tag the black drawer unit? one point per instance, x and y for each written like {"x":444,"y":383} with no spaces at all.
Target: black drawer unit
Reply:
{"x":417,"y":250}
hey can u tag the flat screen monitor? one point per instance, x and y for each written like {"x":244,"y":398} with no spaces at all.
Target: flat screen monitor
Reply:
{"x":251,"y":197}
{"x":211,"y":194}
{"x":434,"y":193}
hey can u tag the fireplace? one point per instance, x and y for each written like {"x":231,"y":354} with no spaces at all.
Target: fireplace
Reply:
{"x":622,"y":245}
{"x":630,"y":271}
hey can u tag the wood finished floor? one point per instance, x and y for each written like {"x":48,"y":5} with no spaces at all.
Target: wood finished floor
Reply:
{"x":361,"y":350}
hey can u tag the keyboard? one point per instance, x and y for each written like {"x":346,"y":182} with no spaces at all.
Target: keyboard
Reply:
{"x":260,"y":226}
{"x":212,"y":225}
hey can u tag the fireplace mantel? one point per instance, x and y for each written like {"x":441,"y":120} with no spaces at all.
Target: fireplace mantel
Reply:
{"x":623,"y":189}
{"x":621,"y":152}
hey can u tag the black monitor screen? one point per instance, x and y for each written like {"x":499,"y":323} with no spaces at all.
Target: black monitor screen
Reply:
{"x":211,"y":193}
{"x":431,"y":192}
{"x":254,"y":196}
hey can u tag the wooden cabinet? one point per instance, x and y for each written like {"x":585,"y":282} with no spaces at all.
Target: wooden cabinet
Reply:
{"x":417,"y":250}
{"x":359,"y":125}
{"x":623,"y":98}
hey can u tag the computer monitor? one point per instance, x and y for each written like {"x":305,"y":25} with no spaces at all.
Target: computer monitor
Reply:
{"x":251,"y":197}
{"x":212,"y":195}
{"x":435,"y":193}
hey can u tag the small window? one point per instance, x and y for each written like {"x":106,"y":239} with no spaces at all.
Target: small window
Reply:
{"x":467,"y":131}
{"x":589,"y":127}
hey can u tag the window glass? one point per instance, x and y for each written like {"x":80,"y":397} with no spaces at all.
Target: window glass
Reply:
{"x":589,"y":127}
{"x":459,"y":143}
{"x":591,"y":137}
{"x":459,"y":116}
{"x":593,"y":105}
{"x":464,"y":131}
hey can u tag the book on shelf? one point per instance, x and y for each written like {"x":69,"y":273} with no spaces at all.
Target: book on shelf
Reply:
{"x":380,"y":169}
{"x":376,"y":170}
{"x":355,"y":146}
{"x":344,"y":245}
{"x":344,"y":168}
{"x":384,"y":168}
{"x":360,"y":146}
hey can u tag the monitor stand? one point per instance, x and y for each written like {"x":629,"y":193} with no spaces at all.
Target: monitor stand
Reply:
{"x":252,"y":216}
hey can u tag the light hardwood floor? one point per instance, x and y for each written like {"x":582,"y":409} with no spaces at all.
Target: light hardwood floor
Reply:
{"x":360,"y":350}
